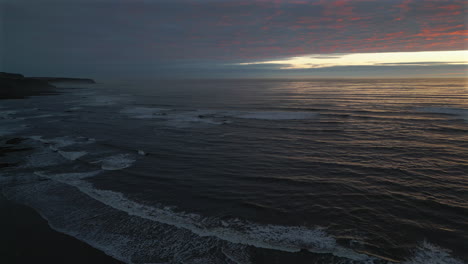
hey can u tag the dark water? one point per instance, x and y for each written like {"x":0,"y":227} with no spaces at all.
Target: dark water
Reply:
{"x":249,"y":171}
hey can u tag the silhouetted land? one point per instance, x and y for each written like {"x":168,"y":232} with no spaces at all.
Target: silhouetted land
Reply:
{"x":16,"y":86}
{"x":25,"y":235}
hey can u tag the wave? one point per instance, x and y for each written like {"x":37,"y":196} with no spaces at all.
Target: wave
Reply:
{"x":6,"y":114}
{"x":233,"y":231}
{"x":9,"y":129}
{"x":277,"y":115}
{"x":461,"y":113}
{"x":182,"y":119}
{"x":427,"y":253}
{"x":44,"y":116}
{"x":187,"y":119}
{"x":116,"y":162}
{"x":209,"y":232}
{"x":103,"y":100}
{"x":60,"y":142}
{"x":125,"y":237}
{"x":284,"y":238}
{"x":183,"y":235}
{"x":72,"y":109}
{"x":72,"y":155}
{"x":46,"y":158}
{"x":144,"y":112}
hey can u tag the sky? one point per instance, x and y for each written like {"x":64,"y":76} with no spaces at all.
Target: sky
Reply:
{"x":235,"y":38}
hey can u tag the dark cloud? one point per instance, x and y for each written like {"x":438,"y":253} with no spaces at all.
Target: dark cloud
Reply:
{"x":137,"y":36}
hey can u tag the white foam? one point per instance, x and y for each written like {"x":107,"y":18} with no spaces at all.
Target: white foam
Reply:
{"x":43,"y":157}
{"x":72,"y":155}
{"x":276,"y":115}
{"x":144,"y":112}
{"x":47,"y":154}
{"x":130,"y":239}
{"x":116,"y":162}
{"x":285,"y":238}
{"x":235,"y":231}
{"x":427,"y":253}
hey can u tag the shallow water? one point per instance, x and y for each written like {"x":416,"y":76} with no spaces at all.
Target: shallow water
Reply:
{"x":249,"y":171}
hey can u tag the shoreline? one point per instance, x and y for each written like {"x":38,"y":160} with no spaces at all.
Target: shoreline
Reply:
{"x":28,"y":238}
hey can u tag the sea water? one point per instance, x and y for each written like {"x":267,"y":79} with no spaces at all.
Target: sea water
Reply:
{"x":249,"y":171}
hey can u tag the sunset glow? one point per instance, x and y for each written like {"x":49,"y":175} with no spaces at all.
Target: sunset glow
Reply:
{"x":426,"y":58}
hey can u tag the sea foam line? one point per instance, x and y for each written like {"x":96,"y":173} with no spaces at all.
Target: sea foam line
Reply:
{"x":283,"y":238}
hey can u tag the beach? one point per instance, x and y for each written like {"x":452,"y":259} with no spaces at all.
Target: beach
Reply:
{"x":26,"y":237}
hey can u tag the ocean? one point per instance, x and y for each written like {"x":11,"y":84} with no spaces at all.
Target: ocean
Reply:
{"x":248,"y":171}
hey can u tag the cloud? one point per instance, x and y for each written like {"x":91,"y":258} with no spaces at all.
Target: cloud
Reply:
{"x":375,"y":59}
{"x":77,"y":35}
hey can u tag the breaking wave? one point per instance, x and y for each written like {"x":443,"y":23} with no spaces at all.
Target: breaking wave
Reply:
{"x":427,"y":253}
